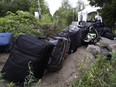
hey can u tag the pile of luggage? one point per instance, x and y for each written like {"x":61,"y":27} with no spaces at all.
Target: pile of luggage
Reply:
{"x":92,"y":31}
{"x":103,"y":30}
{"x":38,"y":53}
{"x":90,"y":35}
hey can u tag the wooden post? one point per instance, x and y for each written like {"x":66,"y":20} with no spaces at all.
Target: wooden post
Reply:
{"x":39,"y":9}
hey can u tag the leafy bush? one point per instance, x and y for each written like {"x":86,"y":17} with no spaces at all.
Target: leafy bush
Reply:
{"x":47,"y":26}
{"x":15,"y":5}
{"x":64,"y":17}
{"x":19,"y":23}
{"x":49,"y":31}
{"x":102,"y":73}
{"x":25,"y":23}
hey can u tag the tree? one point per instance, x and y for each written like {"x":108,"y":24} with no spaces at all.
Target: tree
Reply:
{"x":13,"y":6}
{"x":107,"y":11}
{"x":24,"y":5}
{"x":65,"y":14}
{"x":80,"y":5}
{"x":66,"y":4}
{"x":44,"y":7}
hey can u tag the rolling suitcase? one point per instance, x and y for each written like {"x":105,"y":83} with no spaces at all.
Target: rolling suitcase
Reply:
{"x":84,"y":32}
{"x":66,"y":36}
{"x":6,"y":42}
{"x":75,"y":36}
{"x":57,"y":58}
{"x":29,"y":50}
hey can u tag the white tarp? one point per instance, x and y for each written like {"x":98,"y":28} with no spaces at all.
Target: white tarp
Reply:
{"x":86,"y":11}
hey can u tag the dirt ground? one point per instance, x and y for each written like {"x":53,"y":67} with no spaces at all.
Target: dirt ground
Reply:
{"x":3,"y":58}
{"x":65,"y":76}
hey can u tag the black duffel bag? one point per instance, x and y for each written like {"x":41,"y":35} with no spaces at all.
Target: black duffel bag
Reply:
{"x":29,"y":51}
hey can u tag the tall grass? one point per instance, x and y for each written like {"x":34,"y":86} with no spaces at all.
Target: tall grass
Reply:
{"x":102,"y":73}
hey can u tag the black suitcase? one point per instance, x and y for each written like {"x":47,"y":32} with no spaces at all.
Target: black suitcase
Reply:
{"x":66,"y":36}
{"x":31,"y":44}
{"x":28,"y":50}
{"x":58,"y":55}
{"x":75,"y":36}
{"x":84,"y":32}
{"x":100,"y":31}
{"x":110,"y":36}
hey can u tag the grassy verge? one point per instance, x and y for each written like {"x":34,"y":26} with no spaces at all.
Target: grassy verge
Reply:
{"x":102,"y":73}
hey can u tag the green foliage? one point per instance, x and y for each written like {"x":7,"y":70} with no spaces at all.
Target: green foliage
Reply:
{"x":108,"y":11}
{"x":30,"y":80}
{"x":46,"y":19}
{"x":102,"y":73}
{"x":25,"y":23}
{"x":11,"y":84}
{"x":34,"y":6}
{"x":13,"y":6}
{"x":24,"y":5}
{"x":2,"y":81}
{"x":64,"y":15}
{"x":80,"y":5}
{"x":49,"y":30}
{"x":19,"y":23}
{"x":1,"y":76}
{"x":66,"y":4}
{"x":44,"y":7}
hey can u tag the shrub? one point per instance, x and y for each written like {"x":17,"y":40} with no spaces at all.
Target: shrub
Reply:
{"x":25,"y":23}
{"x":19,"y":23}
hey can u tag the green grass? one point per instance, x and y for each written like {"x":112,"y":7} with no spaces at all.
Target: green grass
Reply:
{"x":102,"y":73}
